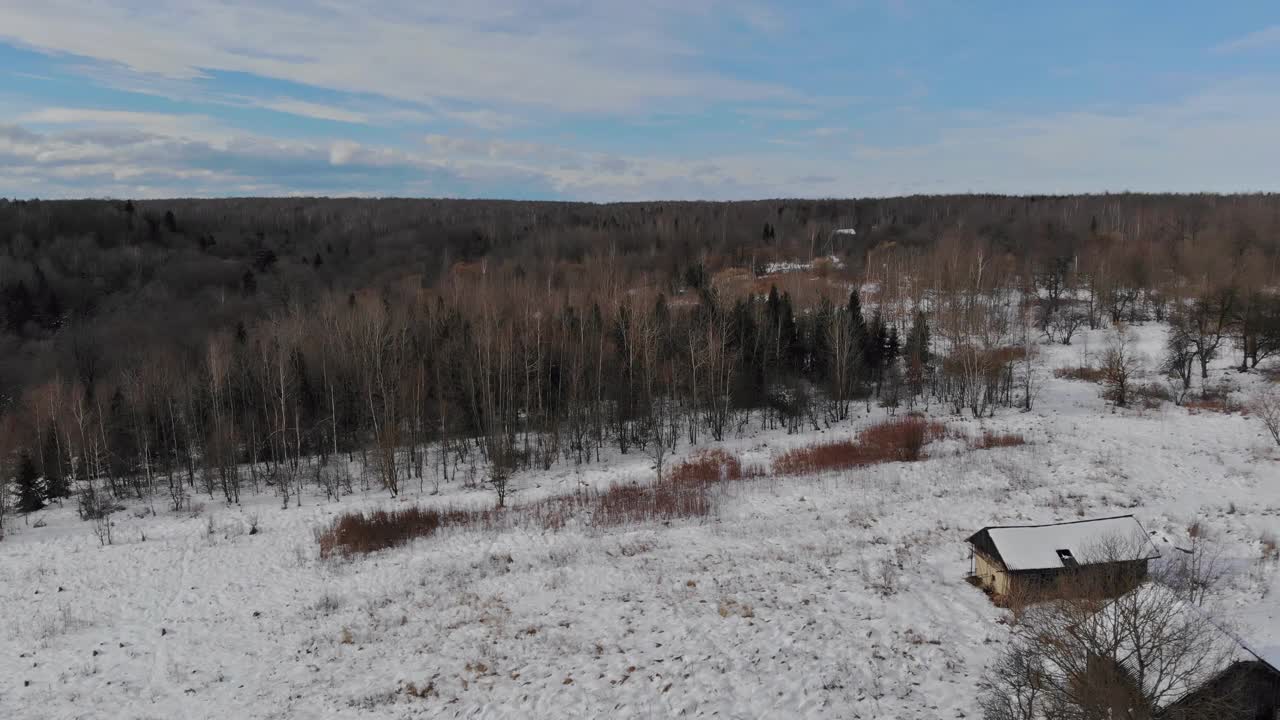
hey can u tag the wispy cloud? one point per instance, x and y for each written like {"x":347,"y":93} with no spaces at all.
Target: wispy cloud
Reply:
{"x":1268,"y":37}
{"x":317,"y":111}
{"x":605,"y":57}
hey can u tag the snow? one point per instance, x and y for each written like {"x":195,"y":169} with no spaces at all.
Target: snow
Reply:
{"x":1035,"y":547}
{"x":840,"y":595}
{"x":792,"y":266}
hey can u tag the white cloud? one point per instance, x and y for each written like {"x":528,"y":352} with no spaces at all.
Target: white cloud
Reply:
{"x":1219,"y":139}
{"x":343,"y":152}
{"x":313,"y":110}
{"x":609,"y":56}
{"x":166,"y":123}
{"x":1265,"y":38}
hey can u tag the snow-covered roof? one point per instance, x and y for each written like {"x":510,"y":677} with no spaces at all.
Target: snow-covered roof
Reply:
{"x":1083,"y":542}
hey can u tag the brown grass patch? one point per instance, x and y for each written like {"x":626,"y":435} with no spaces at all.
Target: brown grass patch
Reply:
{"x":900,"y":440}
{"x":1213,"y":404}
{"x":994,"y":440}
{"x":685,"y":492}
{"x":381,"y":529}
{"x":729,"y":607}
{"x":707,"y":466}
{"x":1080,"y":372}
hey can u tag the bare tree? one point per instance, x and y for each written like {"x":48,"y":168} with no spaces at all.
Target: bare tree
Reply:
{"x":1088,"y":655}
{"x":1065,"y":323}
{"x":1265,"y":405}
{"x":1120,"y":365}
{"x":1029,"y":374}
{"x":1130,"y":658}
{"x":1179,"y":358}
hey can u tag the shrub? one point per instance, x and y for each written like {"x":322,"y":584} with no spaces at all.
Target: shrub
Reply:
{"x":1081,"y":372}
{"x":995,"y":440}
{"x":684,"y":493}
{"x":900,"y":440}
{"x":1265,"y":404}
{"x":708,"y":466}
{"x":1213,"y":404}
{"x":1152,"y":395}
{"x":382,"y":529}
{"x":903,"y":439}
{"x":628,"y":504}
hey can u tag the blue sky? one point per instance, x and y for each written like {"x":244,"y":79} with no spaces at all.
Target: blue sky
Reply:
{"x":623,"y":100}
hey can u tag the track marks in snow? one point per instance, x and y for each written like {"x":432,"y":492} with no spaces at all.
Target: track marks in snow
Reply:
{"x":165,"y":625}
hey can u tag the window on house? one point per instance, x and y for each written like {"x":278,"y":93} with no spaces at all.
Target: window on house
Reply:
{"x":1068,"y":560}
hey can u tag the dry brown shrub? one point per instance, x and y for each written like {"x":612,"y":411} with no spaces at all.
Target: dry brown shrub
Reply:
{"x":684,"y":493}
{"x":729,"y":606}
{"x":899,"y":440}
{"x":1222,"y":405}
{"x":627,"y":504}
{"x":1081,"y":372}
{"x":995,"y":440}
{"x":707,"y":466}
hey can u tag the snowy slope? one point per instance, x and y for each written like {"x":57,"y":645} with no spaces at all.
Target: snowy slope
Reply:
{"x":833,"y":596}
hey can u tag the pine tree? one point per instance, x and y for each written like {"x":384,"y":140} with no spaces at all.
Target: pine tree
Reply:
{"x":30,"y":498}
{"x":917,"y":347}
{"x":916,"y":352}
{"x":857,"y":340}
{"x":55,"y":481}
{"x":892,"y":346}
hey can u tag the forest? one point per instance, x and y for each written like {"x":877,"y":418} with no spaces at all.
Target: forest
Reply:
{"x":166,"y":349}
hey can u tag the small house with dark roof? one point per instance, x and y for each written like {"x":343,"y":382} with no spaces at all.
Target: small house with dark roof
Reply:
{"x":1028,"y":562}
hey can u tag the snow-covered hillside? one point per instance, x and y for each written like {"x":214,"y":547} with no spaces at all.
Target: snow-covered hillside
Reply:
{"x":840,"y":595}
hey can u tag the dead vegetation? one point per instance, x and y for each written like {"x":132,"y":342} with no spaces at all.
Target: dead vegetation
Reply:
{"x":899,"y":440}
{"x":1080,"y":372}
{"x":685,"y":492}
{"x":990,"y":440}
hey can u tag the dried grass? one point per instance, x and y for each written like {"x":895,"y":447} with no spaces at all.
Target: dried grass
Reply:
{"x":899,"y":440}
{"x":1221,"y":404}
{"x":684,"y":493}
{"x":998,"y":440}
{"x":1081,"y":372}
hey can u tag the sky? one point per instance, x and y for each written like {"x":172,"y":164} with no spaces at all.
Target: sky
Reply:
{"x":607,"y":100}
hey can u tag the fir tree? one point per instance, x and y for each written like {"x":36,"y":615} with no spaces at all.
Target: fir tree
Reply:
{"x":30,"y":498}
{"x":917,"y":347}
{"x":55,"y":481}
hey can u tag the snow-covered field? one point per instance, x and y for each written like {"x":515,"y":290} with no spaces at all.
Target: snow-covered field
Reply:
{"x":833,"y":596}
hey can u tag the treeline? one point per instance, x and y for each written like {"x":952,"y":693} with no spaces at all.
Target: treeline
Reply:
{"x":426,"y":386}
{"x":162,"y":349}
{"x":165,"y":273}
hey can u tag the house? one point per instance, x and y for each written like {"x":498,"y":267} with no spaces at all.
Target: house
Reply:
{"x":1247,"y":689}
{"x":1029,"y":562}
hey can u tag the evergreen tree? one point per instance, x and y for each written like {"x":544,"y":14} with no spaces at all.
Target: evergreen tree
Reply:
{"x":55,"y":481}
{"x":917,"y":347}
{"x":30,"y":498}
{"x":857,"y":336}
{"x":123,"y":445}
{"x":916,"y":352}
{"x":18,"y":308}
{"x":873,"y":346}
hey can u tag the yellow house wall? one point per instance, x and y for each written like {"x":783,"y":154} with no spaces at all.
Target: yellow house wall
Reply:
{"x":991,"y":574}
